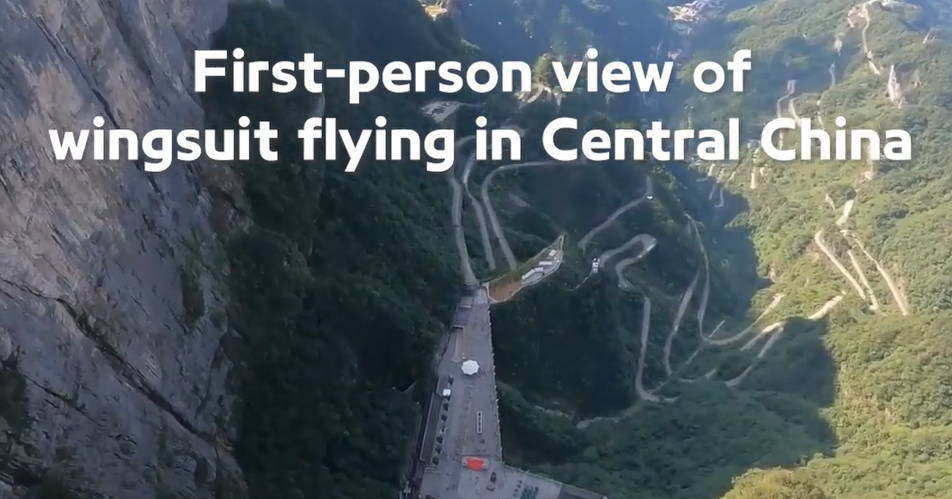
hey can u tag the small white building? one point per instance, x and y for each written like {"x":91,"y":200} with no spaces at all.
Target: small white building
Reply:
{"x":533,"y":276}
{"x":470,"y":367}
{"x":530,"y":274}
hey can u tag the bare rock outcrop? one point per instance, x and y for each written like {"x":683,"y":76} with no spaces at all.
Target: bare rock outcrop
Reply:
{"x":894,"y":89}
{"x":112,"y":320}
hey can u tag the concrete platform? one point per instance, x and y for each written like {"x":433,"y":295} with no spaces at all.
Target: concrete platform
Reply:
{"x":467,"y":423}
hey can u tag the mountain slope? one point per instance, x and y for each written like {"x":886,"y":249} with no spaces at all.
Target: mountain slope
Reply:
{"x":578,"y":401}
{"x":890,"y":219}
{"x":306,"y":233}
{"x":867,"y":382}
{"x":697,"y":337}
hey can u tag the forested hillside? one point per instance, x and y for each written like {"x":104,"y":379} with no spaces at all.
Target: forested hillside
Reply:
{"x":344,"y":282}
{"x":628,"y":380}
{"x":884,"y":244}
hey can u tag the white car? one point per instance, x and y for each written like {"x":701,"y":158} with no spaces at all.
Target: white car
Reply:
{"x":650,"y":197}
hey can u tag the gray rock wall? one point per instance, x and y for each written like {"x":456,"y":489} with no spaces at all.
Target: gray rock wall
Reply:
{"x":112,"y":323}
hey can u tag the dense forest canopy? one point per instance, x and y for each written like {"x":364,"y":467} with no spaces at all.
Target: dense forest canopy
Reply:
{"x":344,"y":283}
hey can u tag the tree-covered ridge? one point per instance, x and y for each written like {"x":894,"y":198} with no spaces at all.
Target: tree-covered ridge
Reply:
{"x":848,"y":390}
{"x":891,"y":394}
{"x":898,"y":214}
{"x":344,"y":283}
{"x":524,"y":29}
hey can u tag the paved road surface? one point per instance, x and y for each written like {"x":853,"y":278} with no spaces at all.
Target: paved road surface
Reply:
{"x":473,"y":397}
{"x":454,"y":427}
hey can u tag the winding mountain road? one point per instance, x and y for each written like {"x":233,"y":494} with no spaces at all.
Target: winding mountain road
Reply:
{"x":791,"y":88}
{"x":587,"y":238}
{"x":480,"y":215}
{"x":774,"y":331}
{"x":873,"y":301}
{"x":676,"y":325}
{"x":642,"y":393}
{"x":818,"y":239}
{"x":898,"y":297}
{"x":734,"y":338}
{"x":647,"y":243}
{"x":456,"y":214}
{"x":487,"y":202}
{"x":864,"y":14}
{"x":791,"y":108}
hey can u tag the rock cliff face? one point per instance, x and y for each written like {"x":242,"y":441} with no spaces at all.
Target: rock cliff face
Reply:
{"x":112,"y":310}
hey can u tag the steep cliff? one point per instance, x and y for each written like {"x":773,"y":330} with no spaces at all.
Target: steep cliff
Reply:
{"x":871,"y":229}
{"x":120,"y":289}
{"x":152,"y":323}
{"x":112,"y":310}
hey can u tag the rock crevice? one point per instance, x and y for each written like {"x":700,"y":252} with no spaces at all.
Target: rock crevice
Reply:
{"x":141,"y":406}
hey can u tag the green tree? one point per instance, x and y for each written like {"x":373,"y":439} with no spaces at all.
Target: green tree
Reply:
{"x":774,"y":484}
